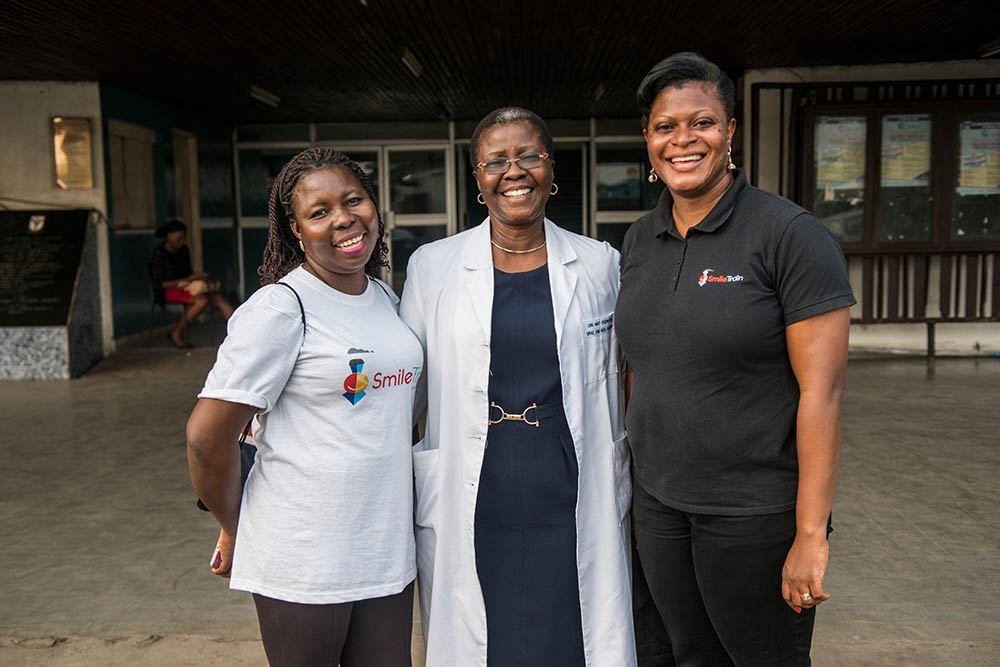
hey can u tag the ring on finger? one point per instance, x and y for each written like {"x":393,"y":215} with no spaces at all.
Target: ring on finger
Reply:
{"x":806,"y":597}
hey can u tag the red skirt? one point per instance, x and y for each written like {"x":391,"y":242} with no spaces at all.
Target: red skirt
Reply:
{"x":174,"y":295}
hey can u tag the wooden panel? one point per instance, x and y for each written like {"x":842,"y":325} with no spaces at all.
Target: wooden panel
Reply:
{"x":984,"y":286}
{"x":867,"y":289}
{"x":879,"y":288}
{"x":968,"y":287}
{"x":893,"y":311}
{"x":995,"y":310}
{"x":945,"y":286}
{"x":971,"y":285}
{"x":907,"y":263}
{"x":920,"y":271}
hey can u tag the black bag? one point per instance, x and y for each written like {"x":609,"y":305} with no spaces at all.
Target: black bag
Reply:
{"x":248,"y":452}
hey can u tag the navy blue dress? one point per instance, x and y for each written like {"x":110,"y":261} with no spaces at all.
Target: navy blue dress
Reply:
{"x":526,"y":505}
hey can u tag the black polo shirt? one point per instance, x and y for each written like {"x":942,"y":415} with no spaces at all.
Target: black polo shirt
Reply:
{"x":711,"y":418}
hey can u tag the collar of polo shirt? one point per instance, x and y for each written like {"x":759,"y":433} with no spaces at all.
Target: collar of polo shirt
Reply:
{"x":663,"y":221}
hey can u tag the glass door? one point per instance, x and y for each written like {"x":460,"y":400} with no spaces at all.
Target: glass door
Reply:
{"x":621,"y":189}
{"x":418,"y":203}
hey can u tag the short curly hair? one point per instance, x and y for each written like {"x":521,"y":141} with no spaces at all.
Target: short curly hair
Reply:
{"x":506,"y":116}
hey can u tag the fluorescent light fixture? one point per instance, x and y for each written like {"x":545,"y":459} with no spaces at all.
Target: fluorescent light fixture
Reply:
{"x":411,"y":62}
{"x":989,"y":49}
{"x":265,"y":96}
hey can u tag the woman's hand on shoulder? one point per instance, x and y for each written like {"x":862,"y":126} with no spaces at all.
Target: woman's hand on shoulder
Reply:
{"x":805,"y":567}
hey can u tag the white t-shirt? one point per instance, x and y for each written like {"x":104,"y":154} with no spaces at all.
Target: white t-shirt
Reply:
{"x":327,"y":513}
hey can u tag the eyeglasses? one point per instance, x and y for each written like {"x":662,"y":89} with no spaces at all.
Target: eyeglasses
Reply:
{"x":500,"y":165}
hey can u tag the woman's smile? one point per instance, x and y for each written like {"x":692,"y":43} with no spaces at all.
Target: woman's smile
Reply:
{"x":353,"y":245}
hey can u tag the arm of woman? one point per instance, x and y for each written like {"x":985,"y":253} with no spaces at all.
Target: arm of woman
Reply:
{"x":214,"y":465}
{"x":817,"y":350}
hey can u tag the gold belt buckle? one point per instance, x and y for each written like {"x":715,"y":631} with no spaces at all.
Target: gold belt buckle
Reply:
{"x":505,"y":416}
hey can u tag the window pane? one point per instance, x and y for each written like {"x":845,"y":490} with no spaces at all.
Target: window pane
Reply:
{"x":258,"y":169}
{"x":905,"y":196}
{"x":622,"y":180}
{"x":368,"y":162}
{"x":976,"y":204}
{"x":416,"y":181}
{"x":613,"y":233}
{"x":404,"y":241}
{"x":565,"y":208}
{"x":839,"y":168}
{"x":215,"y":178}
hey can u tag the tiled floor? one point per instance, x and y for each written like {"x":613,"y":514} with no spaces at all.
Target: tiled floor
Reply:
{"x":101,"y":542}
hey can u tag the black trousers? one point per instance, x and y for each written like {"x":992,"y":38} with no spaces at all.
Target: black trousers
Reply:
{"x":716,"y":581}
{"x":366,"y":633}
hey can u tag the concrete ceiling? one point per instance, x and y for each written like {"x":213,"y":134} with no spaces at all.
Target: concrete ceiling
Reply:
{"x":343,"y":60}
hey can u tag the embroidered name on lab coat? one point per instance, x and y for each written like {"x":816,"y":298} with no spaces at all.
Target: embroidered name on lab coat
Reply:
{"x":599,"y":326}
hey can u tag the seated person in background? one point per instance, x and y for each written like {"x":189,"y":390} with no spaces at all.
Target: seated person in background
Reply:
{"x":174,"y":281}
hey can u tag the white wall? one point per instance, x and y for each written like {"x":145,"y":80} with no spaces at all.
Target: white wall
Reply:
{"x":27,"y":173}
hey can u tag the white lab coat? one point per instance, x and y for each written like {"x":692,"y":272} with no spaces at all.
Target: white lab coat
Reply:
{"x":448,"y":302}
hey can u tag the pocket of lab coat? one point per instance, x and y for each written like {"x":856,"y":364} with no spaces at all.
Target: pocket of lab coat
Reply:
{"x":623,"y":477}
{"x":599,"y":347}
{"x":425,"y":479}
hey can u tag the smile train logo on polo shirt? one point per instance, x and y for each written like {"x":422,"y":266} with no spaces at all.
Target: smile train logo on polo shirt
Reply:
{"x":706,"y":278}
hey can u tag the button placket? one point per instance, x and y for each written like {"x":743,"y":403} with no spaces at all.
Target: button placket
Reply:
{"x":679,"y":265}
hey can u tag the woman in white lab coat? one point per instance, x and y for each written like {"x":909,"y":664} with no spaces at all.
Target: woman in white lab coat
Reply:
{"x":522,"y":478}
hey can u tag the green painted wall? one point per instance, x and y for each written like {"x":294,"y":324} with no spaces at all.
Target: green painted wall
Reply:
{"x":129,"y":252}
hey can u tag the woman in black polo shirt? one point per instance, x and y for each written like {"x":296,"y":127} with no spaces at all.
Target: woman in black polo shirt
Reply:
{"x":733,"y":314}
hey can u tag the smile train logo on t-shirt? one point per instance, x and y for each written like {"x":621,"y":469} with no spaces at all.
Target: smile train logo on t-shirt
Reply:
{"x":355,"y":383}
{"x":706,"y":278}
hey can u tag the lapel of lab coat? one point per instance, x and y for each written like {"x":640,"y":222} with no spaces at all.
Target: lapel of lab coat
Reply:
{"x":477,"y":259}
{"x":562,"y":277}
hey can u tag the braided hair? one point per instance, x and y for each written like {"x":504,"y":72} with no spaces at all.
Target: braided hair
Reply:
{"x":282,"y":253}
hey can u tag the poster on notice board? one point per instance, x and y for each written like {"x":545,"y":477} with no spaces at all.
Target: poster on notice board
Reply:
{"x":906,"y":151}
{"x":979,"y":160}
{"x":840,"y":154}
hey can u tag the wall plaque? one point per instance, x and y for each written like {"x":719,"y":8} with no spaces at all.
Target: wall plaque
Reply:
{"x":39,"y":255}
{"x":71,"y":147}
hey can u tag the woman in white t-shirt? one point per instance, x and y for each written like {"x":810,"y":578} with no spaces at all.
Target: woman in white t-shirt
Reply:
{"x":322,"y":535}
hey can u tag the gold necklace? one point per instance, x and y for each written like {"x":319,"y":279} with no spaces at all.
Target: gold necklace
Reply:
{"x":517,"y":252}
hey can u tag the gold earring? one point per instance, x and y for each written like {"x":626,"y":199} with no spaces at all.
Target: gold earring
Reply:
{"x":555,"y":190}
{"x":302,"y":247}
{"x":479,"y":198}
{"x":653,"y":178}
{"x":729,"y":158}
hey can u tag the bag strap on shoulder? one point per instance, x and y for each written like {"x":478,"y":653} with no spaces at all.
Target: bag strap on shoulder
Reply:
{"x":302,"y":310}
{"x":379,"y":283}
